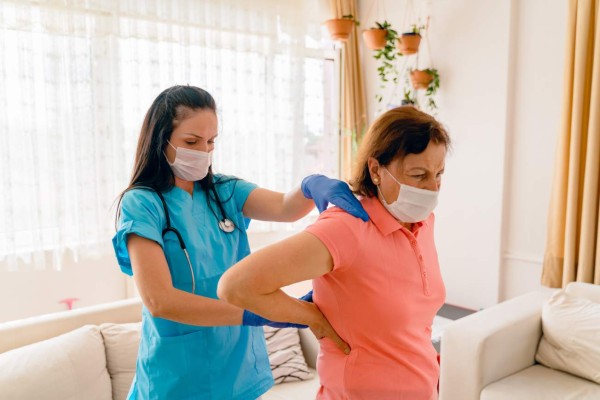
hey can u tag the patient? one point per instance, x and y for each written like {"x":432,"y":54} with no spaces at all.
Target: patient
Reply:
{"x":378,"y":284}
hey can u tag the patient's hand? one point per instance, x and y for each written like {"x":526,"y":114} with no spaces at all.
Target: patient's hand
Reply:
{"x":321,"y":328}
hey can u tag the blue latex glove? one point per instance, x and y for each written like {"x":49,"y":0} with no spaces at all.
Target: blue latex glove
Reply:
{"x":251,"y":319}
{"x":324,"y":190}
{"x":307,"y":297}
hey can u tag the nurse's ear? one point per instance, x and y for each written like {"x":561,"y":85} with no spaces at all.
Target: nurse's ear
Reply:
{"x":374,"y":170}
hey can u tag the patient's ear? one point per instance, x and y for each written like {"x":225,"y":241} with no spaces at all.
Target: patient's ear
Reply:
{"x":374,"y":170}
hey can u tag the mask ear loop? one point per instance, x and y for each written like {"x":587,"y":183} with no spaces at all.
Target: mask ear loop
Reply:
{"x":390,"y":174}
{"x":174,"y":148}
{"x":379,"y":190}
{"x":381,"y":195}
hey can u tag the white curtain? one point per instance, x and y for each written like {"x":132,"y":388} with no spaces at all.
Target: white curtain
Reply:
{"x":76,"y":77}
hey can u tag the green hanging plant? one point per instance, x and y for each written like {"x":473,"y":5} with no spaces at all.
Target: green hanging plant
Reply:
{"x":386,"y":56}
{"x":409,"y":98}
{"x":351,"y":18}
{"x":432,"y":88}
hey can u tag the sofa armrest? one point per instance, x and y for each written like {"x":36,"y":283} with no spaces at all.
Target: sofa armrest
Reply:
{"x":22,"y":332}
{"x":489,"y":345}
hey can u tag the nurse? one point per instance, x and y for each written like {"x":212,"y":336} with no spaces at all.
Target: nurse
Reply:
{"x":179,"y":228}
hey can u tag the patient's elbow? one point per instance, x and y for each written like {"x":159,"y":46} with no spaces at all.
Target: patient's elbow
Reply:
{"x":224,"y":289}
{"x":228,"y":291}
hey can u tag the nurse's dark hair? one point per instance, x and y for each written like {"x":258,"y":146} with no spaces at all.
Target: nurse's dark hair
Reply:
{"x":150,"y":168}
{"x":395,"y":134}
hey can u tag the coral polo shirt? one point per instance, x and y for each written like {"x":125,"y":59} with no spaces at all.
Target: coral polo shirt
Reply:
{"x":381,"y":297}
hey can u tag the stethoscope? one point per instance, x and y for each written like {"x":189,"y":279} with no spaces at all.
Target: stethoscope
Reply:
{"x":225,"y":224}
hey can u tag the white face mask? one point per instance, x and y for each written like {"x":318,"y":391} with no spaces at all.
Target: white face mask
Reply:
{"x":190,"y":165}
{"x":413,"y":204}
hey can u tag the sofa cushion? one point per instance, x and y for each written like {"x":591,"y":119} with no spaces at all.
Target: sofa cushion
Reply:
{"x":540,"y":383}
{"x":571,"y":336}
{"x":285,"y":355}
{"x":121,"y":343}
{"x":294,"y":390}
{"x":584,"y":290}
{"x":67,"y":367}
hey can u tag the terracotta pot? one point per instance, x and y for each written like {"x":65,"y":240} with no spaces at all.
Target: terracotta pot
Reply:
{"x":408,"y":43}
{"x":340,"y":28}
{"x":420,"y":79}
{"x":375,"y":38}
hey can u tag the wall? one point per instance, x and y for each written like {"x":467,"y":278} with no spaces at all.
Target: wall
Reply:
{"x":534,"y":109}
{"x":92,"y":280}
{"x":501,"y":70}
{"x":29,"y":293}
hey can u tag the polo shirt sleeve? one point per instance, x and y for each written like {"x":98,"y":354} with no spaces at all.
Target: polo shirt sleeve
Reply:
{"x":339,"y":232}
{"x":141,"y":214}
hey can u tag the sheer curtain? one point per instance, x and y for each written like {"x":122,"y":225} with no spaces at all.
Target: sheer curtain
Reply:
{"x":76,"y":77}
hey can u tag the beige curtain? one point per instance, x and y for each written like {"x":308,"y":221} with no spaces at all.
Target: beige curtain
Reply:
{"x":573,"y":243}
{"x":354,"y":110}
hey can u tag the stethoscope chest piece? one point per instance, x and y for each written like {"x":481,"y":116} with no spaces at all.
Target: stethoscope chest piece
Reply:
{"x":226,"y":225}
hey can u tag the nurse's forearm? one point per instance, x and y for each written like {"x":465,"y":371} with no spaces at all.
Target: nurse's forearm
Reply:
{"x":267,"y":205}
{"x":187,"y":308}
{"x":296,"y":205}
{"x":154,"y":282}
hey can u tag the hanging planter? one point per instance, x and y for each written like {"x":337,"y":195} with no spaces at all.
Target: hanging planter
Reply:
{"x":420,"y":79}
{"x":428,"y":79}
{"x":341,"y":28}
{"x":376,"y":38}
{"x":408,"y":43}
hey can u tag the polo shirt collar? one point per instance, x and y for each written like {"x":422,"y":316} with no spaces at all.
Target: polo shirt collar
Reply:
{"x":383,"y":220}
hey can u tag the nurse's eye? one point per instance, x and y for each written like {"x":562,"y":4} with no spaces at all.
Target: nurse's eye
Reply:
{"x":211,"y":142}
{"x":191,"y":142}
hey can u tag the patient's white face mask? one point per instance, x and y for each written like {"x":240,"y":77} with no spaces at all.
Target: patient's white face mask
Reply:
{"x":190,"y":165}
{"x":413,"y":204}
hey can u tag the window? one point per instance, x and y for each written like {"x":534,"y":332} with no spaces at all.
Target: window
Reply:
{"x":77,"y":79}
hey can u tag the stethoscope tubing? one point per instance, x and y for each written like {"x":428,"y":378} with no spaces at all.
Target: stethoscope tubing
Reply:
{"x":225,"y":225}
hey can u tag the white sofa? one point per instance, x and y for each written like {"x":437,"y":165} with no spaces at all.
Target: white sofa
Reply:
{"x":90,"y":353}
{"x":490,"y":355}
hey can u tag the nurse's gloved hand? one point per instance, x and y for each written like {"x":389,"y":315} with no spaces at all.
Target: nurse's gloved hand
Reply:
{"x":324,"y":190}
{"x":307,"y":297}
{"x":251,"y":319}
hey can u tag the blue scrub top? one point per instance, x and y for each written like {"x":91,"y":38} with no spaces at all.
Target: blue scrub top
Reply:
{"x":179,"y":361}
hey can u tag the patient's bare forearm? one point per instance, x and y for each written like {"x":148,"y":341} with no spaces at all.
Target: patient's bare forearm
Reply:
{"x":276,"y":306}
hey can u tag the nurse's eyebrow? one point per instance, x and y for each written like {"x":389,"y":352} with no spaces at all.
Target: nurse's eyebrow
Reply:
{"x":199,"y":137}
